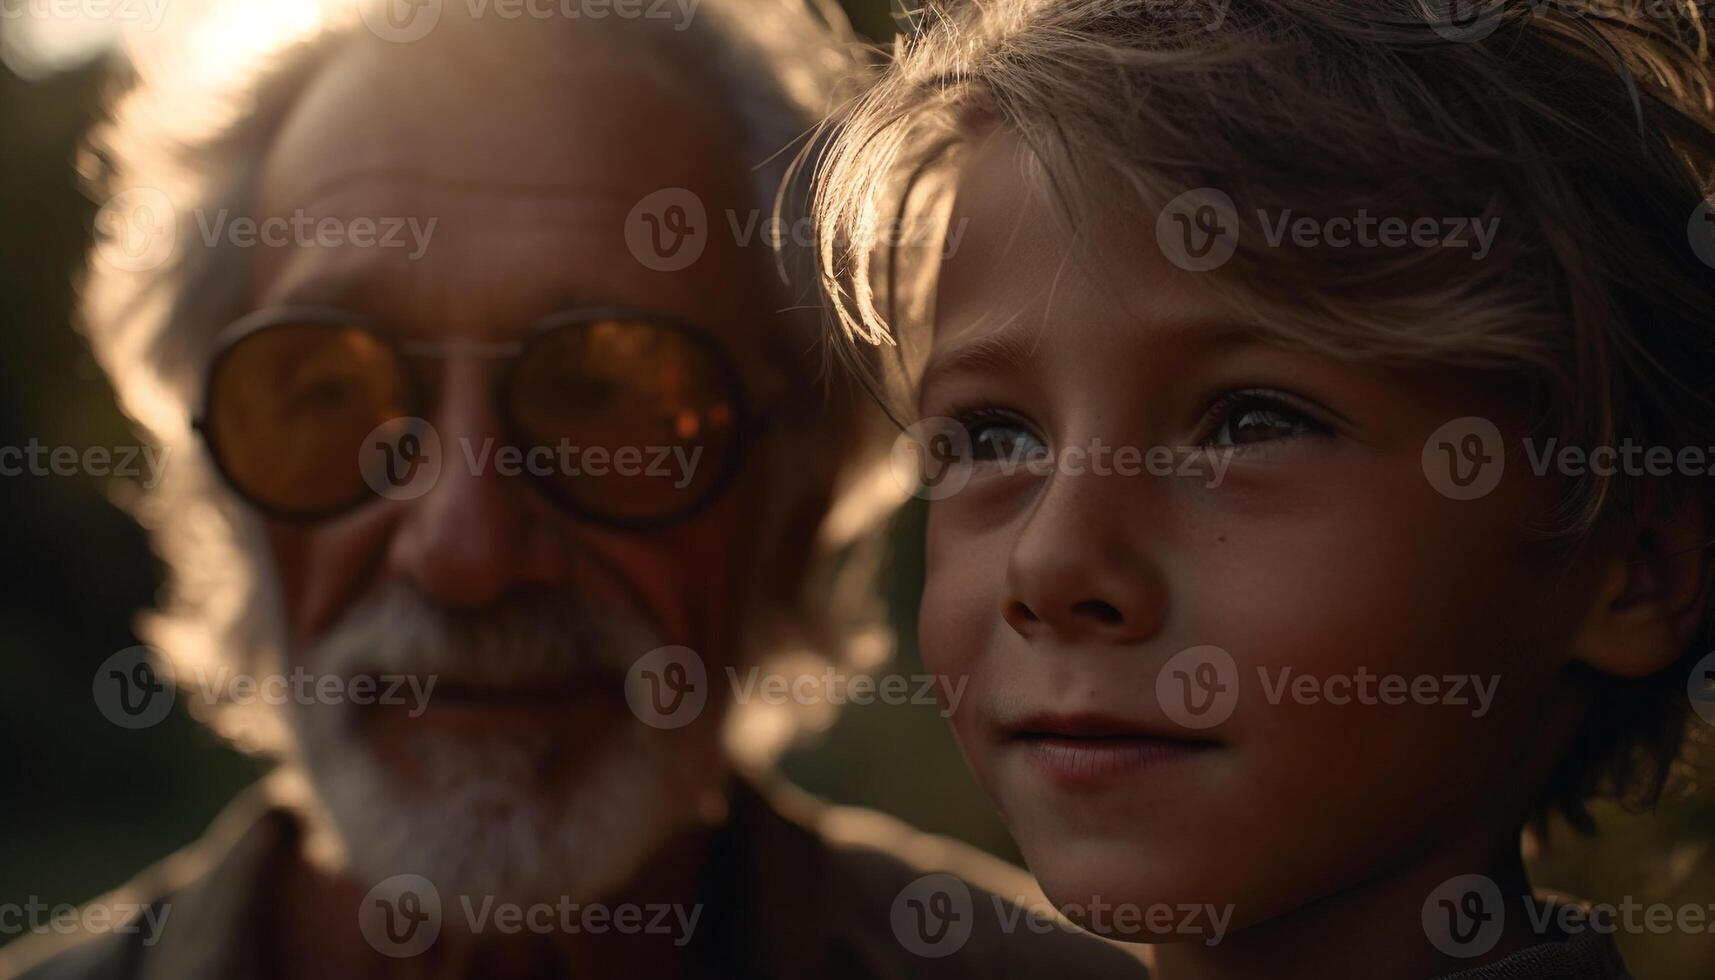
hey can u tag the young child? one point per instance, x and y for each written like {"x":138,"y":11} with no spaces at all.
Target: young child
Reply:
{"x":1331,"y":385}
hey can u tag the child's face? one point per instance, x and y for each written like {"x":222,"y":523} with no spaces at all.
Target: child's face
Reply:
{"x":1324,"y":552}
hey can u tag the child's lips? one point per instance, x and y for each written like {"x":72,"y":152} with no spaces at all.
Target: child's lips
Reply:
{"x":1088,"y":751}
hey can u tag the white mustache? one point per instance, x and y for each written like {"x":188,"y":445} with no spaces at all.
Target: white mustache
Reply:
{"x":534,"y":639}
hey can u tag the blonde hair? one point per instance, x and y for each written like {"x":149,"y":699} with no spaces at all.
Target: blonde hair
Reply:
{"x":1587,"y":131}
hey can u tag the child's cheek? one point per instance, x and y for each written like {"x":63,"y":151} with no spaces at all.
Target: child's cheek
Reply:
{"x":1322,"y":605}
{"x":965,"y":579}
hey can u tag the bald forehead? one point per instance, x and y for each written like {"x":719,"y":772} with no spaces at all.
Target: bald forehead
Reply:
{"x":521,"y":164}
{"x":574,"y":107}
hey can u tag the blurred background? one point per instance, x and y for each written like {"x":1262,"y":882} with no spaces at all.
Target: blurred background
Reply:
{"x":87,"y":804}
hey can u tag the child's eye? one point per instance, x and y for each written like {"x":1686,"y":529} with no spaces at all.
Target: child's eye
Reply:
{"x":1243,"y":418}
{"x":999,"y":436}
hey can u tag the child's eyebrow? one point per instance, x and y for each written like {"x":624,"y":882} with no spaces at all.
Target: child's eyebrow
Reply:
{"x":998,"y":352}
{"x":1010,"y":348}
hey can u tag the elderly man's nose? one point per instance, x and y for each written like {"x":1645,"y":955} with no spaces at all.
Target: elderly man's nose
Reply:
{"x":472,"y":537}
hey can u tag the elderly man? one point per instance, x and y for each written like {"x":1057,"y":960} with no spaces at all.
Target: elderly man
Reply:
{"x":512,"y":494}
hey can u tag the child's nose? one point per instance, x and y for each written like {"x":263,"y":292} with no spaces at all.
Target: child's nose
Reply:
{"x":1074,"y":576}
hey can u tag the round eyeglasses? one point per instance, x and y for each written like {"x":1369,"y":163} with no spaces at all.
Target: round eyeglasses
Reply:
{"x":625,"y":418}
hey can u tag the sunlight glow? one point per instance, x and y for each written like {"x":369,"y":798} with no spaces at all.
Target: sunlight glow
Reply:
{"x":40,"y":37}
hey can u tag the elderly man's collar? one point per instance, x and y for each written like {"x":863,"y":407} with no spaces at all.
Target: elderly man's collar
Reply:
{"x":793,"y":888}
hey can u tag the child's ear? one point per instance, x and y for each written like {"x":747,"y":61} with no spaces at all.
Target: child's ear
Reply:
{"x":1650,"y":593}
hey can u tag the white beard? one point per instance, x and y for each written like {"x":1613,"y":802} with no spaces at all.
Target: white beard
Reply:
{"x":496,"y":815}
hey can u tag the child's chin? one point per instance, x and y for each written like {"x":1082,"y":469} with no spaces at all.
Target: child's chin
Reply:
{"x":1135,"y":895}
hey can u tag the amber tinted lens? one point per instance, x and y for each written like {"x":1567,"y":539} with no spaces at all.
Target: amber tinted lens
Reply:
{"x":288,"y":408}
{"x":637,"y":422}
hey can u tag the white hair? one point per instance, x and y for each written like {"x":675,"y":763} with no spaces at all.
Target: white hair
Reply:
{"x":192,"y":131}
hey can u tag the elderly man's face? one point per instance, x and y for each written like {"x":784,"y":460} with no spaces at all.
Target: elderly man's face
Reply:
{"x":527,"y":768}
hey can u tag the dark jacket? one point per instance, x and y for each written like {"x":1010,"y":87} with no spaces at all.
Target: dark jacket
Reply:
{"x":800,"y":889}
